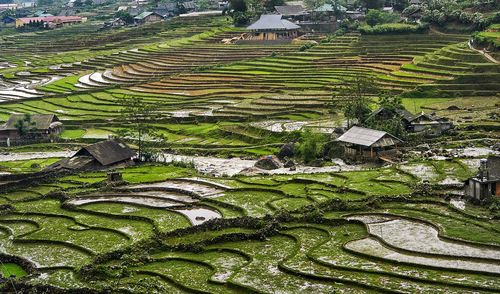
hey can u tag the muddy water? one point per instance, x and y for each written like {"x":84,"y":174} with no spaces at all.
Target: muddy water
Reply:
{"x":34,"y":155}
{"x":373,"y":247}
{"x":199,"y":215}
{"x":421,"y":237}
{"x":194,"y":187}
{"x":151,"y":202}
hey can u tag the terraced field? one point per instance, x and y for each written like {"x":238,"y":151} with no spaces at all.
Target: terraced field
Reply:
{"x":169,"y":230}
{"x":235,"y":98}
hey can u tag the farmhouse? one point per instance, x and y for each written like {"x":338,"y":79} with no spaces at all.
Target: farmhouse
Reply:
{"x":148,"y":17}
{"x":101,"y":155}
{"x":42,"y":127}
{"x":432,"y":124}
{"x":273,"y":27}
{"x":487,"y":182}
{"x":50,"y":21}
{"x":363,"y":143}
{"x":296,"y":12}
{"x":8,"y":20}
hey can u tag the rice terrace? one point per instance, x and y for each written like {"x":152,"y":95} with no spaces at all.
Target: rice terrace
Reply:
{"x":249,"y":146}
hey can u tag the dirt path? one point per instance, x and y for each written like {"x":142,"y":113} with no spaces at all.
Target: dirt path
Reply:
{"x":489,"y":57}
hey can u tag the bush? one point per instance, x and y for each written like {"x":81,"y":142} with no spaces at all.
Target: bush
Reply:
{"x":393,"y":28}
{"x":374,"y":17}
{"x":240,"y":18}
{"x":311,"y":145}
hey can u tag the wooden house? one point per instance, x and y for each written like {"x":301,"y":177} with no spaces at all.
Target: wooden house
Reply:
{"x":101,"y":155}
{"x":148,"y":17}
{"x":271,"y":27}
{"x":43,"y":127}
{"x":294,"y":12}
{"x":368,"y":144}
{"x":486,"y":183}
{"x":431,"y":124}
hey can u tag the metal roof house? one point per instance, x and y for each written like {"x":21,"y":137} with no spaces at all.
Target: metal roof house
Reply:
{"x":148,"y":17}
{"x":273,"y":27}
{"x":363,"y":143}
{"x":431,"y":124}
{"x":291,"y":11}
{"x":101,"y":155}
{"x":486,"y":183}
{"x":43,"y":127}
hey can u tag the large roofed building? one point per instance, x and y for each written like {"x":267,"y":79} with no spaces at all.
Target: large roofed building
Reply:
{"x":273,"y":27}
{"x":50,"y":21}
{"x":101,"y":155}
{"x":368,"y":144}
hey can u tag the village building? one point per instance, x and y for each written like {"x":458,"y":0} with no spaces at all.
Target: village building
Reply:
{"x":8,"y":21}
{"x":293,"y":12}
{"x":50,"y":21}
{"x":102,"y":155}
{"x":486,"y":183}
{"x":148,"y":17}
{"x":189,"y":6}
{"x":167,"y":9}
{"x":367,"y":144}
{"x":10,"y":6}
{"x":271,"y":27}
{"x":431,"y":124}
{"x":44,"y":127}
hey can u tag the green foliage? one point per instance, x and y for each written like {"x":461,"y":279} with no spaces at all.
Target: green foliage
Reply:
{"x":354,"y":98}
{"x":139,"y":117}
{"x":241,"y":18}
{"x":375,"y":17}
{"x":125,"y":16}
{"x":25,"y":125}
{"x":311,"y":145}
{"x":393,"y":28}
{"x":238,"y":5}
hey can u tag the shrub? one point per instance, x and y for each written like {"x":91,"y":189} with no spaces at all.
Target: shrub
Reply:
{"x":393,"y":28}
{"x":311,"y":145}
{"x":375,"y":16}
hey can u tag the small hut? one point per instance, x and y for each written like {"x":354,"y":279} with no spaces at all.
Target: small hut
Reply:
{"x":272,"y":27}
{"x":486,"y":183}
{"x":363,"y":143}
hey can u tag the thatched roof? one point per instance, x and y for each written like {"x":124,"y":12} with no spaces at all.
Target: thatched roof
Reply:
{"x":107,"y":152}
{"x":40,"y":121}
{"x":368,"y":137}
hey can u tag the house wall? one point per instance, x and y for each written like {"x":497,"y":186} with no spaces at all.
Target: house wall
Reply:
{"x":152,"y":18}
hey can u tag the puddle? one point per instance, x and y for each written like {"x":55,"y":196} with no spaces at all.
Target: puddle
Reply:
{"x":199,"y":215}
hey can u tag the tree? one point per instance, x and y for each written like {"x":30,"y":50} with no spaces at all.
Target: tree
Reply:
{"x":313,"y":4}
{"x":238,"y":5}
{"x":78,"y":3}
{"x":25,"y":125}
{"x":372,"y":4}
{"x":269,"y":4}
{"x":393,"y":125}
{"x":125,"y":16}
{"x":354,"y":99}
{"x":375,"y":16}
{"x":88,"y":3}
{"x":138,"y":117}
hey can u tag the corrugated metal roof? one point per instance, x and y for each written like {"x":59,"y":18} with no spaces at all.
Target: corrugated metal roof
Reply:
{"x":272,"y":22}
{"x":367,"y":137}
{"x":290,"y":10}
